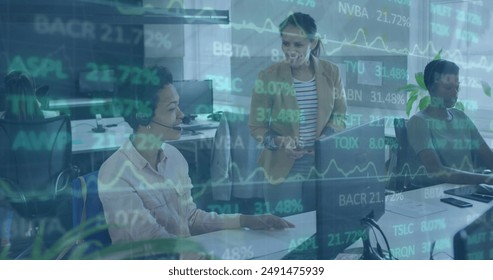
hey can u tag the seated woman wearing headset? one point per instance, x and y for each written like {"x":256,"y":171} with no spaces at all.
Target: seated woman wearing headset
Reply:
{"x":145,"y":188}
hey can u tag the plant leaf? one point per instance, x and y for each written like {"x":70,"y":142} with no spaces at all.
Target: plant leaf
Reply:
{"x":438,"y":55}
{"x":420,"y":79}
{"x":146,"y":248}
{"x":424,"y":102}
{"x":410,"y":102}
{"x":414,"y":93}
{"x":459,"y":105}
{"x":486,"y":88}
{"x":408,"y":87}
{"x":4,"y":253}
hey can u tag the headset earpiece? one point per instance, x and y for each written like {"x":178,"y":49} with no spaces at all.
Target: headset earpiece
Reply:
{"x":143,"y":119}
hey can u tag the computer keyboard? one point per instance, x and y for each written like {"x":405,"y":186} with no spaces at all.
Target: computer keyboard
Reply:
{"x":197,"y":127}
{"x":200,"y":125}
{"x":190,"y":132}
{"x":479,"y":192}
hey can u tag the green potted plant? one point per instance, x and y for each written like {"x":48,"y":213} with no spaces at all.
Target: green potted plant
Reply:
{"x":418,"y":92}
{"x":72,"y":247}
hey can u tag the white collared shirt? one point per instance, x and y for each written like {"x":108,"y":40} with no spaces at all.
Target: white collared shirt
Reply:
{"x":141,"y":203}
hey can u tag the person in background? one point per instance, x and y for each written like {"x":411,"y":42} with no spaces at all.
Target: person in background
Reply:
{"x":147,"y":182}
{"x":446,"y":141}
{"x":21,"y":100}
{"x":294,"y":102}
{"x":20,"y":104}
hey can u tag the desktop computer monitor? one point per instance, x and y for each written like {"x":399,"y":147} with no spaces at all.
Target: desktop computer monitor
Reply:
{"x":196,"y":97}
{"x":350,"y":185}
{"x":100,"y":83}
{"x":475,"y":241}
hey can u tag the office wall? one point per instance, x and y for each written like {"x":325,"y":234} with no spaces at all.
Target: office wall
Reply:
{"x":169,"y":47}
{"x":368,"y":42}
{"x":55,"y":40}
{"x":359,"y":37}
{"x":379,"y":46}
{"x":463,"y":29}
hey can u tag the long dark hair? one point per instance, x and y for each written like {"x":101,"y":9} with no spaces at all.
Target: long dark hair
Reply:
{"x":20,"y":97}
{"x":306,"y":23}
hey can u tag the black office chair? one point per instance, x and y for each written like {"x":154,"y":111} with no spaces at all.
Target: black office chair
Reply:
{"x":35,"y":165}
{"x":235,"y":173}
{"x":43,"y":97}
{"x":407,"y":173}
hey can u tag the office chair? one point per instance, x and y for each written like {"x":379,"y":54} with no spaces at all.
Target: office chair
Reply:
{"x":43,"y":97}
{"x":87,"y":211}
{"x":407,"y":173}
{"x":35,"y":159}
{"x":35,"y":166}
{"x":234,"y":169}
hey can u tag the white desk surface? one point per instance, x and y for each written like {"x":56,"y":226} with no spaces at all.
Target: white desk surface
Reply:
{"x":77,"y":102}
{"x":409,"y":238}
{"x":257,"y":244}
{"x":85,"y":140}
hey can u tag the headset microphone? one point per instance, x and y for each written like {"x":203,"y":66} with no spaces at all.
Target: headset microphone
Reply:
{"x":172,"y":127}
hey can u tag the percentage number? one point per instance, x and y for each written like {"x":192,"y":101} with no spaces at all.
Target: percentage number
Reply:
{"x":156,"y":39}
{"x":389,"y":98}
{"x":289,"y":206}
{"x":138,"y":76}
{"x":392,"y":72}
{"x":310,"y":3}
{"x":431,"y":225}
{"x":394,"y":197}
{"x":392,"y":18}
{"x":238,"y":253}
{"x":347,"y":237}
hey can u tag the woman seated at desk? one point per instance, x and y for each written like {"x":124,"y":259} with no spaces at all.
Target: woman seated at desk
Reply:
{"x":147,"y":182}
{"x":446,"y":141}
{"x":21,"y":98}
{"x":20,"y":102}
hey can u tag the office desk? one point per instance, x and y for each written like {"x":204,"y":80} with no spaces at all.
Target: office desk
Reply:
{"x":409,"y":237}
{"x":58,"y":104}
{"x":258,"y":244}
{"x":84,"y":140}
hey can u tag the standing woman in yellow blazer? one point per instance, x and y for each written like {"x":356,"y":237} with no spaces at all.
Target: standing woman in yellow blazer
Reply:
{"x":293,"y":103}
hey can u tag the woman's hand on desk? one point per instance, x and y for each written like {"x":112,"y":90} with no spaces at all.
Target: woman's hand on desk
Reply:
{"x":266,"y":221}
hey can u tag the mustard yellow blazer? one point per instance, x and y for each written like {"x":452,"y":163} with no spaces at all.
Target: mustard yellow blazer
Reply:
{"x":274,"y":109}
